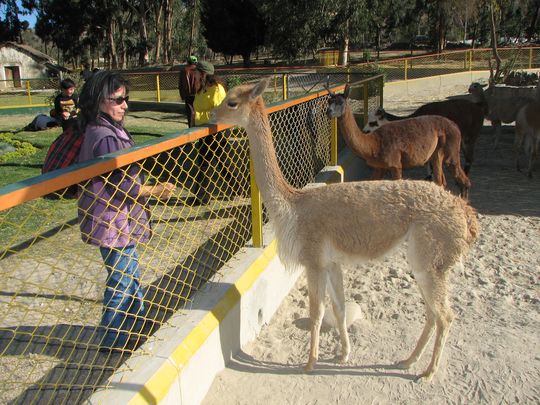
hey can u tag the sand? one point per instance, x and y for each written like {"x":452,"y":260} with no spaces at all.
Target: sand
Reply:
{"x":492,"y":354}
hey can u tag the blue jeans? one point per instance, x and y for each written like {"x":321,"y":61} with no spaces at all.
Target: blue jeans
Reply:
{"x":123,"y":297}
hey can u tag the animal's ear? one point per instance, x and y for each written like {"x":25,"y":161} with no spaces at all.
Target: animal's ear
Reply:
{"x":380,"y":112}
{"x":327,"y":86}
{"x":346,"y":91}
{"x":259,"y":88}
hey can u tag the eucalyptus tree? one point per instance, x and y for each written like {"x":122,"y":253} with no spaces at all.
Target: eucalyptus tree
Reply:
{"x":233,"y":27}
{"x":294,"y":28}
{"x":11,"y":26}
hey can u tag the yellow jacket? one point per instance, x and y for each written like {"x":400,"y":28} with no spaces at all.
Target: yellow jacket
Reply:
{"x":206,"y":101}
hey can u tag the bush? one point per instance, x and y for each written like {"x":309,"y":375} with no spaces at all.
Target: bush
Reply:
{"x":21,"y":150}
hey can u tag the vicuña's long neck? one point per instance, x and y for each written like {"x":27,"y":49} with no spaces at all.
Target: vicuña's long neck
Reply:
{"x":360,"y":142}
{"x":275,"y":190}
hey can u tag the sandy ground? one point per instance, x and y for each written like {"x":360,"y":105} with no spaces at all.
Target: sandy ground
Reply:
{"x":492,"y":354}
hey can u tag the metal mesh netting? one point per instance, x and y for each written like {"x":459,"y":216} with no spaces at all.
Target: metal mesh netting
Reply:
{"x":53,"y":283}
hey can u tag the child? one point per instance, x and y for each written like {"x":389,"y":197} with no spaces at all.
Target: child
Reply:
{"x":65,"y":104}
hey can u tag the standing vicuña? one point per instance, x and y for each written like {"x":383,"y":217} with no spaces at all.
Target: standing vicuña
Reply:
{"x":322,"y":228}
{"x":403,"y":144}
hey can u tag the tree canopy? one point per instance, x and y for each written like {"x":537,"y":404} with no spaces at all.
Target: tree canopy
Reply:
{"x":126,"y":33}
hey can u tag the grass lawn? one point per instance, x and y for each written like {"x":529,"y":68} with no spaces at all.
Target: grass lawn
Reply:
{"x":27,"y":221}
{"x":143,"y":125}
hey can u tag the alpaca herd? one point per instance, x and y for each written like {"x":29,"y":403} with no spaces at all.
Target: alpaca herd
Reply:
{"x":323,"y":228}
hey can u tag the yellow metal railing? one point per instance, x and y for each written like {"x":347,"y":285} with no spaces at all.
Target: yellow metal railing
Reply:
{"x":53,"y":283}
{"x":162,"y":86}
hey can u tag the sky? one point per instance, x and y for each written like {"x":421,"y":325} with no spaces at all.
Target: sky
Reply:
{"x":30,"y":18}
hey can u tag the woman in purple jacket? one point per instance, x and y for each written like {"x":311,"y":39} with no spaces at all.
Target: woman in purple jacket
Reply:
{"x":112,"y":210}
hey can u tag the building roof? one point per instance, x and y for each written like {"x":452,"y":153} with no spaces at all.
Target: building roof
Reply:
{"x":38,"y":56}
{"x":28,"y":50}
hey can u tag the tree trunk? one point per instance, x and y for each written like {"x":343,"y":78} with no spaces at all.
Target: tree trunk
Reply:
{"x":193,"y":27}
{"x":493,"y":77}
{"x":158,"y":13}
{"x":112,"y":46}
{"x":344,"y":53}
{"x":143,"y":34}
{"x":167,"y":32}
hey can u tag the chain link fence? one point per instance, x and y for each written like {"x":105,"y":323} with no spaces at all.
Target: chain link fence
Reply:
{"x":53,"y":284}
{"x":163,"y":86}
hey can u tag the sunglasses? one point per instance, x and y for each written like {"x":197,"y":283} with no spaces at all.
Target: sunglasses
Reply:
{"x":119,"y":100}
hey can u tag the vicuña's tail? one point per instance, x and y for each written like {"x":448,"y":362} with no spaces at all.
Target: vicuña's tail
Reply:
{"x":473,"y":228}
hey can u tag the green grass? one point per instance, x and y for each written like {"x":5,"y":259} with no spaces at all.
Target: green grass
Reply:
{"x":144,"y":126}
{"x":28,"y":220}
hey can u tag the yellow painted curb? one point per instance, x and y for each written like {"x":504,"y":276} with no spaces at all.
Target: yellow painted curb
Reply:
{"x":157,"y":386}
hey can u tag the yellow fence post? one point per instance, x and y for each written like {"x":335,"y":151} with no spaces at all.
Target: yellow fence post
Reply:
{"x":381,"y":90}
{"x":285,"y":91}
{"x":333,"y":142}
{"x":29,"y":92}
{"x":366,"y":102}
{"x":158,"y":90}
{"x":275,"y":82}
{"x":256,"y":208}
{"x":405,"y":71}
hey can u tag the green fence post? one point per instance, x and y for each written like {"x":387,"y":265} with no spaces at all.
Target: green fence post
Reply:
{"x":158,"y":90}
{"x":530,"y":57}
{"x":256,"y":208}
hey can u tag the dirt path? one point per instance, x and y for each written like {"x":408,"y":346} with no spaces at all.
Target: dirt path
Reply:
{"x":492,"y":355}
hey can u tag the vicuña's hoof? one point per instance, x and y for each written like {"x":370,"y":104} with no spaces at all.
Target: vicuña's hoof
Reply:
{"x":309,"y":366}
{"x":344,"y":358}
{"x":424,"y":378}
{"x":404,"y":364}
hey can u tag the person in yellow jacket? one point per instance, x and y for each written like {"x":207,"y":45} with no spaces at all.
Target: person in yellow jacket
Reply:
{"x":214,"y":177}
{"x":210,"y":95}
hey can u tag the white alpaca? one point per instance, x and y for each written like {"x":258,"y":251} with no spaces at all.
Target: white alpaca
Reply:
{"x":528,"y":133}
{"x":322,"y":228}
{"x":497,"y":109}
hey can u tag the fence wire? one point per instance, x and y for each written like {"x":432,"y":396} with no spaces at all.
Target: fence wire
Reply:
{"x":163,"y":86}
{"x":52,"y":283}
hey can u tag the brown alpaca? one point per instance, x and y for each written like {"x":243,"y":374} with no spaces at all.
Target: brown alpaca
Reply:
{"x":468,"y":116}
{"x":322,"y":228}
{"x":403,"y":144}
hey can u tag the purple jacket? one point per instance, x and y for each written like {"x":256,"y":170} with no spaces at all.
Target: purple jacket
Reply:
{"x":111,"y":213}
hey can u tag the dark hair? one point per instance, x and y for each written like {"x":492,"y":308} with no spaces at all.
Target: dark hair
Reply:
{"x":67,"y":84}
{"x":209,"y":81}
{"x":99,"y":87}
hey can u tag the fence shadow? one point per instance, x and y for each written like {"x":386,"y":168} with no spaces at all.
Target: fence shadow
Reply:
{"x":79,"y":367}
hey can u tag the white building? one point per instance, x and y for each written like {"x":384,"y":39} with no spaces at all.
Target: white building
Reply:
{"x":18,"y":61}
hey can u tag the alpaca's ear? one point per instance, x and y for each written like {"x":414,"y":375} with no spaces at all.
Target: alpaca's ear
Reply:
{"x":259,"y":88}
{"x":346,"y":91}
{"x":327,"y":86}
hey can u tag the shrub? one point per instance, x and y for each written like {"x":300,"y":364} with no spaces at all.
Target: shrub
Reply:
{"x":22,"y":149}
